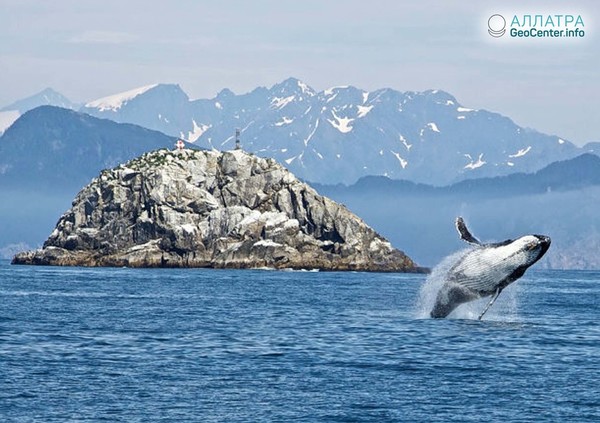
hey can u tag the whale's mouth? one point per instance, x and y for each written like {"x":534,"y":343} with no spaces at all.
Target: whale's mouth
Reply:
{"x":544,"y":242}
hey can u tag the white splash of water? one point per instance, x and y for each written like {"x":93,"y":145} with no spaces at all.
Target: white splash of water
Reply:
{"x":434,"y":282}
{"x":504,"y":309}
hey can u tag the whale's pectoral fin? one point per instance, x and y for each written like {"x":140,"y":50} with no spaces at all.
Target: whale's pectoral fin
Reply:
{"x":498,"y":291}
{"x":464,"y":233}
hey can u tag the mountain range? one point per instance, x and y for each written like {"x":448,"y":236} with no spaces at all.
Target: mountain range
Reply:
{"x":341,"y":134}
{"x":529,"y":180}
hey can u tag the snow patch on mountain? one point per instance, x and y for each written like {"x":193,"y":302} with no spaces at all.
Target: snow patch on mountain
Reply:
{"x":330,"y":99}
{"x":405,"y":142}
{"x":116,"y":101}
{"x":402,"y":161}
{"x":306,"y":89}
{"x":475,"y":164}
{"x":433,"y":127}
{"x":342,"y":124}
{"x":330,"y":91}
{"x":464,"y":109}
{"x":197,"y":132}
{"x":520,"y":153}
{"x":279,"y":103}
{"x":307,"y":139}
{"x":284,"y":121}
{"x":363,"y":111}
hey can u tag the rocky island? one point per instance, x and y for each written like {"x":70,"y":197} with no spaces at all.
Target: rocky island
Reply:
{"x":193,"y":208}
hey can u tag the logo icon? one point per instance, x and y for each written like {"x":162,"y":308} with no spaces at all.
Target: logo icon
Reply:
{"x":496,"y":26}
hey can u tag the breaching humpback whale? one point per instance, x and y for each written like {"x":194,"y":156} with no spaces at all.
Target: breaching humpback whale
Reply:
{"x":487,"y":269}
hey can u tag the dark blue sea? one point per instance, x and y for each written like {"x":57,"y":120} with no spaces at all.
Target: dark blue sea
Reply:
{"x":138,"y":345}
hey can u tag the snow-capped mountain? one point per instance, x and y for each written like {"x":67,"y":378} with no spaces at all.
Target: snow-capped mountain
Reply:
{"x":162,"y":107}
{"x":115,"y":102}
{"x":47,"y":97}
{"x":343,"y":133}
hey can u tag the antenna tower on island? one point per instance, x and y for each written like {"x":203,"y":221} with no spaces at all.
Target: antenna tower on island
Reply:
{"x":238,"y":145}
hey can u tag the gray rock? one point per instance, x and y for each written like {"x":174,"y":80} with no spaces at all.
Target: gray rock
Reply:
{"x":211,"y":209}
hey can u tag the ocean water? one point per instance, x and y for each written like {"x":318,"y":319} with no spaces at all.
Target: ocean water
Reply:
{"x":140,"y":345}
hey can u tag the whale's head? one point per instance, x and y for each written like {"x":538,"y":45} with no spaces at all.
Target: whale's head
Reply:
{"x":530,"y":248}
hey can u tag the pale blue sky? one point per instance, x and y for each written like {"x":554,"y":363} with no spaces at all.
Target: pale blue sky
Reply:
{"x":89,"y":49}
